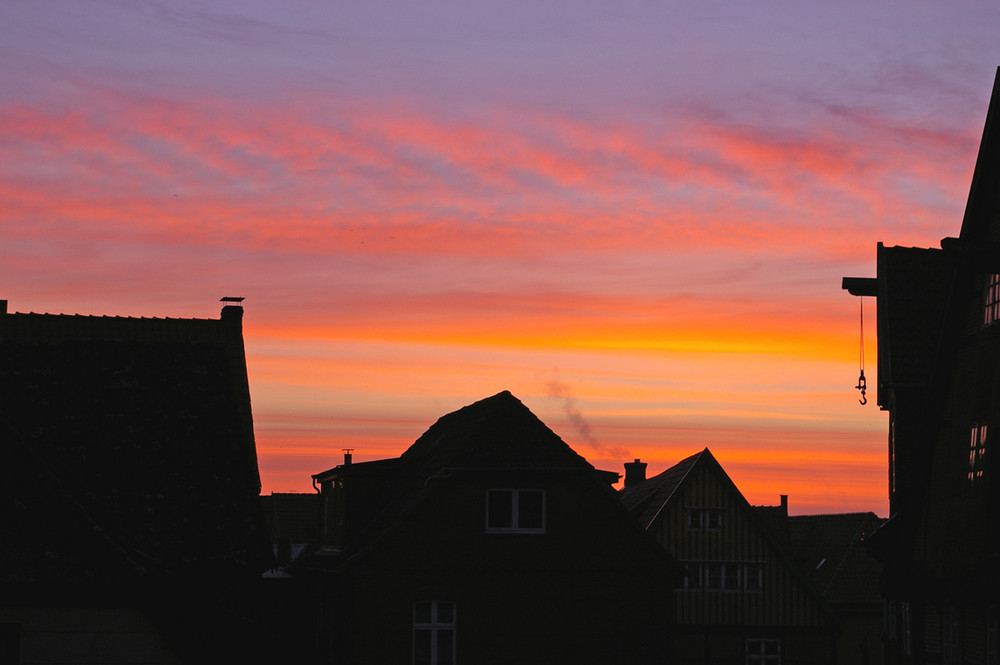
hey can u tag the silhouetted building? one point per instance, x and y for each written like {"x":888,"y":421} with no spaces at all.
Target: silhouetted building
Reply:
{"x":743,"y":599}
{"x":292,"y":522}
{"x":830,"y":551}
{"x":131,"y":530}
{"x":938,"y":362}
{"x":489,"y":540}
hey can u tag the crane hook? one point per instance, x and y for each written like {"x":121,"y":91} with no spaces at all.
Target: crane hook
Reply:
{"x":862,"y":386}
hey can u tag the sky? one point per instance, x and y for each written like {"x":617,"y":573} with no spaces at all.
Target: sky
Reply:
{"x":635,"y":216}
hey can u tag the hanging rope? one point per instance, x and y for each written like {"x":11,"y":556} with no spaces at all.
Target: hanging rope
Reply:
{"x":862,"y":384}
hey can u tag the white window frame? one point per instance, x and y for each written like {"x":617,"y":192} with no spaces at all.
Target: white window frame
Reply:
{"x":759,"y":655}
{"x":753,"y":577}
{"x":704,"y":519}
{"x":515,"y":499}
{"x":438,"y":630}
{"x":729,"y":576}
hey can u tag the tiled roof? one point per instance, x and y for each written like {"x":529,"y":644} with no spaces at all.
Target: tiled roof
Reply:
{"x":127,"y":447}
{"x":497,"y":432}
{"x":830,"y":551}
{"x":494,"y":434}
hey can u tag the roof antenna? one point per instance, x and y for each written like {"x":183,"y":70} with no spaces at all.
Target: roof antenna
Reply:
{"x":862,"y":385}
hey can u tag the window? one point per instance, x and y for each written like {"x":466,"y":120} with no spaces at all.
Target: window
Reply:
{"x":991,"y":309}
{"x":704,"y":519}
{"x":977,"y":453}
{"x":515,"y":511}
{"x":433,"y":633}
{"x":763,"y":651}
{"x":753,"y":577}
{"x":724,"y":576}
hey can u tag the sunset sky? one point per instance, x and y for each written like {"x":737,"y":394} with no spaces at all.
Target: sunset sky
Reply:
{"x":633,"y":215}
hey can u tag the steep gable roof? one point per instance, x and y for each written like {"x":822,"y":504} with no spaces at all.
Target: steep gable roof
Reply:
{"x":645,"y":499}
{"x":127,"y":448}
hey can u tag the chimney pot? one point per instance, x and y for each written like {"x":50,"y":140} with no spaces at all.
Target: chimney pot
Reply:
{"x":347,"y":456}
{"x":635,"y":472}
{"x":784,"y":503}
{"x":3,"y":306}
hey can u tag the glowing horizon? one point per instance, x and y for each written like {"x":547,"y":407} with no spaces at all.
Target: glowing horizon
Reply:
{"x":635,"y":218}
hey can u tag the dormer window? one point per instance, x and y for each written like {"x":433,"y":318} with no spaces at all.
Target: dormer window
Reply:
{"x":977,"y":454}
{"x":991,"y":309}
{"x":515,"y":511}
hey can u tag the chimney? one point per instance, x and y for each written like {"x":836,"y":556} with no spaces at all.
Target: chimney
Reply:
{"x":3,"y":306}
{"x":635,"y":472}
{"x":232,"y":307}
{"x":784,"y":504}
{"x":348,"y":456}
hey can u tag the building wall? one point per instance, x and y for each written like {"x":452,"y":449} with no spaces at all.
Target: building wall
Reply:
{"x":782,"y":601}
{"x":588,"y":590}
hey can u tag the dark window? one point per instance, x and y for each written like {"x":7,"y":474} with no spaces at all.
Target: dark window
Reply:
{"x":434,"y":633}
{"x":977,"y":453}
{"x":515,"y":511}
{"x":753,"y":577}
{"x":728,"y":576}
{"x":991,"y":309}
{"x":500,"y":509}
{"x":704,"y":519}
{"x":761,"y":651}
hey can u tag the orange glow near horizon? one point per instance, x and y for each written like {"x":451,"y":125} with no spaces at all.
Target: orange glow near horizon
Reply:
{"x":647,"y":293}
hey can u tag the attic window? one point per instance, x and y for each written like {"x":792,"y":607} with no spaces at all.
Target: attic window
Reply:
{"x":704,"y":519}
{"x":991,"y":310}
{"x":977,"y":453}
{"x":515,"y":511}
{"x":760,"y":651}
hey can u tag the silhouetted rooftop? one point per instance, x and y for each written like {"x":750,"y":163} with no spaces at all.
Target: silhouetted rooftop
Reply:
{"x":645,"y":499}
{"x":831,"y":552}
{"x":128,"y":448}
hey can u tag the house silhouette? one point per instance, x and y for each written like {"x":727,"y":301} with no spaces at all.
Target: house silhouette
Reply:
{"x":938,"y":379}
{"x":131,"y":524}
{"x":489,"y":540}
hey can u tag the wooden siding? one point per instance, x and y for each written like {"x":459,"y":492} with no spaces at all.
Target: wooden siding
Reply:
{"x":783,"y":600}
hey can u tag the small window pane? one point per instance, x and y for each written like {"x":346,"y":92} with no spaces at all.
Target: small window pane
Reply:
{"x":445,"y":613}
{"x":422,"y":647}
{"x":714,"y":577}
{"x":530,"y":509}
{"x":446,"y":647}
{"x":731,"y":577}
{"x":422,"y":613}
{"x":500,"y":509}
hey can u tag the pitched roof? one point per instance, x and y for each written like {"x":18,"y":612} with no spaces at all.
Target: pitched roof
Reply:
{"x":831,"y":553}
{"x":645,"y":499}
{"x":498,"y":433}
{"x":128,"y":447}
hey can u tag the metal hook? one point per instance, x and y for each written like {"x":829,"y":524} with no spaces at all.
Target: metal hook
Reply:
{"x":862,"y":386}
